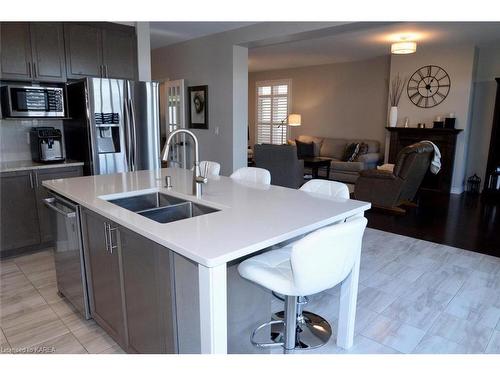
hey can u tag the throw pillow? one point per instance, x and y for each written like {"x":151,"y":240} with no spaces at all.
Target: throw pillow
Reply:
{"x":363,"y":148}
{"x":304,"y":149}
{"x":316,"y":140}
{"x":351,"y":152}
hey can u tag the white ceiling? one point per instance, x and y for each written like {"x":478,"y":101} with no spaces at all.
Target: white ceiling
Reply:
{"x":369,"y":43}
{"x":165,"y":33}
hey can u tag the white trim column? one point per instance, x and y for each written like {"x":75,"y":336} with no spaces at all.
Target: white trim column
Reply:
{"x":142,"y":32}
{"x":213,"y":309}
{"x":347,"y":309}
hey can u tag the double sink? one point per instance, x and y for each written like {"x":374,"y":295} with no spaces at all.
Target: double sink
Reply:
{"x":162,"y":208}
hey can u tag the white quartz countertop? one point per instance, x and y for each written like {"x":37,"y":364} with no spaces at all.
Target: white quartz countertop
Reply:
{"x":24,"y":165}
{"x":251,"y":217}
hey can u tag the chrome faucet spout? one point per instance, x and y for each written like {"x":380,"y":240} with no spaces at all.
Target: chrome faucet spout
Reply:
{"x":198,"y":179}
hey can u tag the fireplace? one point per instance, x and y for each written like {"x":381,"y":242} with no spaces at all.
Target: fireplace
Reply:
{"x":444,"y":139}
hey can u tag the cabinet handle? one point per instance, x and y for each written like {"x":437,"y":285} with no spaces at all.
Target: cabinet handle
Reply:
{"x":30,"y":72}
{"x":111,"y":246}
{"x":106,"y":236}
{"x":36,"y":179}
{"x":35,"y":73}
{"x":106,"y":67}
{"x":31,"y":180}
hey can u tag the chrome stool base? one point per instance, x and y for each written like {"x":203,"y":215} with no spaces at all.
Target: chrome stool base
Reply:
{"x":313,"y":330}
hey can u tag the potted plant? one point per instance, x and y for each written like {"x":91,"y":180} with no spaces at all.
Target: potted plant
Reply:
{"x":395,"y":91}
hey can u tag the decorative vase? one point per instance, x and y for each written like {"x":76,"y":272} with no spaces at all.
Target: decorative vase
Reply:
{"x":393,"y":117}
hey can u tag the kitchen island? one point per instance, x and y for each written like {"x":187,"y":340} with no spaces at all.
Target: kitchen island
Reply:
{"x":245,"y":218}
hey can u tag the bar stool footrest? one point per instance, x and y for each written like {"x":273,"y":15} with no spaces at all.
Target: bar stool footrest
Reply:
{"x":266,"y":344}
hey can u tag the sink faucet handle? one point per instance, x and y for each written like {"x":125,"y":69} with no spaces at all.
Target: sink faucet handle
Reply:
{"x":201,"y":180}
{"x":168,"y":182}
{"x":205,"y":172}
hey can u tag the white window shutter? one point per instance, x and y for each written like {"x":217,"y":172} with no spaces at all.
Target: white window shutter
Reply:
{"x":273,"y":108}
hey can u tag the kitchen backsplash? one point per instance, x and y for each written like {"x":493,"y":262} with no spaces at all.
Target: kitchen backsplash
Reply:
{"x":14,"y":137}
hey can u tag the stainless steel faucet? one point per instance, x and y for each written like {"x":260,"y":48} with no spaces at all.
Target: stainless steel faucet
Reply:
{"x":198,"y":179}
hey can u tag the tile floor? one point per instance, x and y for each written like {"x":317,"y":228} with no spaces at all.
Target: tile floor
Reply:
{"x":34,"y":319}
{"x":414,"y":297}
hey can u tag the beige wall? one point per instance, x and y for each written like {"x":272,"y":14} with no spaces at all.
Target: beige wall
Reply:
{"x":221,"y":62}
{"x":459,"y":62}
{"x":345,"y":100}
{"x":217,"y":64}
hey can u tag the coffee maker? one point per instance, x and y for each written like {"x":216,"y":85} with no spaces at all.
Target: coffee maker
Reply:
{"x":46,"y":145}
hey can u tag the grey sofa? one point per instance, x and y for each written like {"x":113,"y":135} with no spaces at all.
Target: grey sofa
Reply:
{"x":333,"y":148}
{"x":282,"y":162}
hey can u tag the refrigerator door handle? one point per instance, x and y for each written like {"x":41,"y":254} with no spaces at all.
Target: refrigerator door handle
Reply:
{"x":134,"y":131}
{"x":128,"y":142}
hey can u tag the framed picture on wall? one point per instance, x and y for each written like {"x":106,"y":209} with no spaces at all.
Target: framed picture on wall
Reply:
{"x":198,"y":107}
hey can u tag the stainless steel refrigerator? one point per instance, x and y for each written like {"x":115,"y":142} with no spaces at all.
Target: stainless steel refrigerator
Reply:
{"x":113,"y":125}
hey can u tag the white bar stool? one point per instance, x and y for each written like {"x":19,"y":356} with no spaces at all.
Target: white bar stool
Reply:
{"x":314,"y":330}
{"x":317,"y":262}
{"x":252,"y":174}
{"x":212,"y":168}
{"x":328,"y":188}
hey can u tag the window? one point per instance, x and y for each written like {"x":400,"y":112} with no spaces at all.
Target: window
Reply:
{"x":273,"y":107}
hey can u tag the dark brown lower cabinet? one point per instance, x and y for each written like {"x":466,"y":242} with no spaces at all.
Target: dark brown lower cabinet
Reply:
{"x":147,"y":269}
{"x":130,"y":286}
{"x":18,"y":211}
{"x":25,"y":222}
{"x":103,"y":267}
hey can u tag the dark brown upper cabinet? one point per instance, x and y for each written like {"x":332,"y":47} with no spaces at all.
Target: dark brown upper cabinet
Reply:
{"x":33,"y":51}
{"x":100,"y":50}
{"x":53,"y":51}
{"x":83,"y":50}
{"x":47,"y":45}
{"x":119,"y":54}
{"x":16,"y":51}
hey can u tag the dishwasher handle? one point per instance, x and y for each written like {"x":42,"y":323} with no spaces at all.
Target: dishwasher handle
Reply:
{"x":49,"y":202}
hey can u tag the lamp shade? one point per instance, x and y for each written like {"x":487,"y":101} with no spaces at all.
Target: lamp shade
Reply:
{"x":294,"y":119}
{"x":403,"y":48}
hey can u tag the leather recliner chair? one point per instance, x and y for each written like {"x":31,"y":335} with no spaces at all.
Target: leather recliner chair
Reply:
{"x":390,"y":189}
{"x":282,"y":162}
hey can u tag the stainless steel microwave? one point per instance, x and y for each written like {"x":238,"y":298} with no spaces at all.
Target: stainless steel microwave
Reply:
{"x":32,"y":101}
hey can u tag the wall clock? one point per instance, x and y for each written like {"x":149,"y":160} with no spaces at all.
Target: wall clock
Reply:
{"x":428,"y":86}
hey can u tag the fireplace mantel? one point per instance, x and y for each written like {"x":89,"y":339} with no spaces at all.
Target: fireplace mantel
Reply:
{"x":444,"y":139}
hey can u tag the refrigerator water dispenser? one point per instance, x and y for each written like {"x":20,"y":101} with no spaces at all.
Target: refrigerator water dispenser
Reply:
{"x":108,"y":139}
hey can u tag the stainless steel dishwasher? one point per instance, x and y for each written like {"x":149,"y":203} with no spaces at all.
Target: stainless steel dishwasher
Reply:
{"x":68,"y":252}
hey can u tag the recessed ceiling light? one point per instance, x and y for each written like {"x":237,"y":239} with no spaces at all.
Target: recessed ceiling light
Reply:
{"x":403,"y":48}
